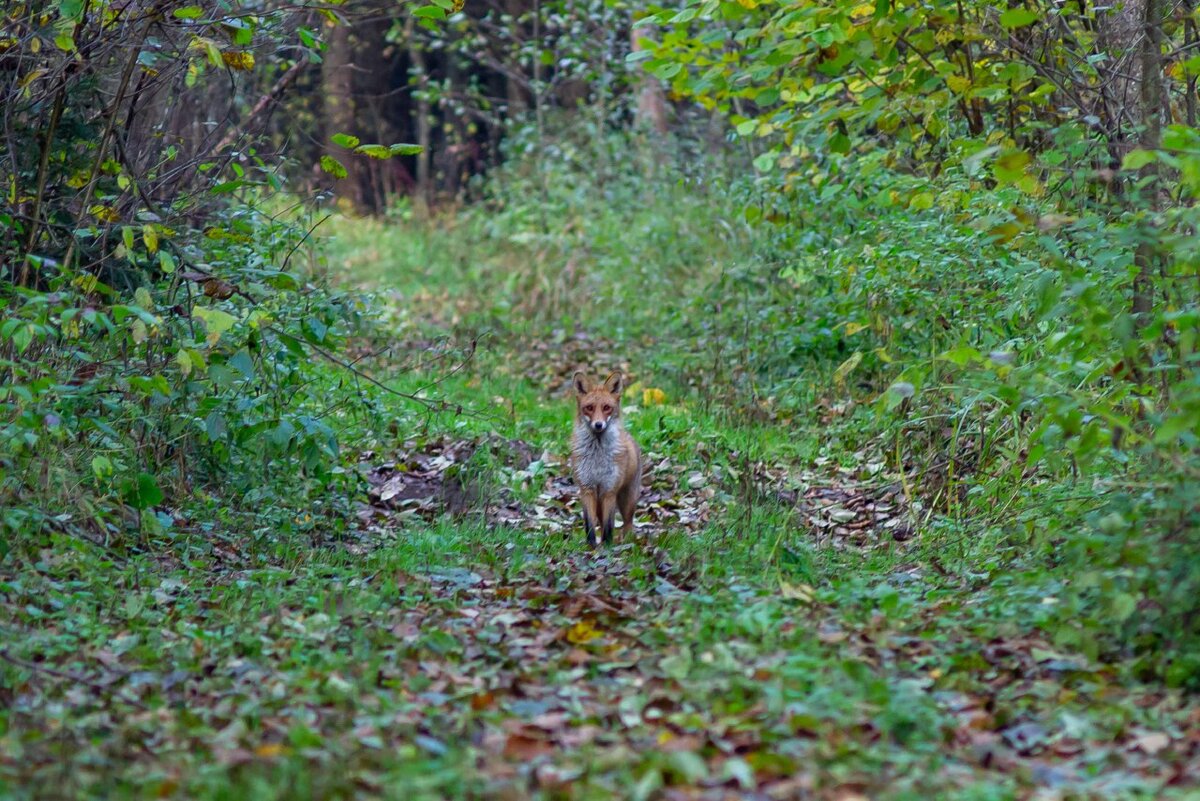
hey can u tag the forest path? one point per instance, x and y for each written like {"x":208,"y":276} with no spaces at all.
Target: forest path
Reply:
{"x":780,"y":629}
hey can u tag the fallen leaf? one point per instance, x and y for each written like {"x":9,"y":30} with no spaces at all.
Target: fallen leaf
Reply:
{"x":1151,"y":742}
{"x":583,"y":632}
{"x":522,"y":746}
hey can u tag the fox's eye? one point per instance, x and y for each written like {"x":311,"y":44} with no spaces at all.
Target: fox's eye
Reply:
{"x":607,"y":409}
{"x":589,"y":408}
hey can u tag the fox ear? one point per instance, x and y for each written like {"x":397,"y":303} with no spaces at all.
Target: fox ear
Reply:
{"x":582,"y":384}
{"x":615,"y":382}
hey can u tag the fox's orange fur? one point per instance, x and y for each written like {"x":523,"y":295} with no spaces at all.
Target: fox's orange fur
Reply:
{"x":606,"y":462}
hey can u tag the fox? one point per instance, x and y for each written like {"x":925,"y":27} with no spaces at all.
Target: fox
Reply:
{"x":605,"y":461}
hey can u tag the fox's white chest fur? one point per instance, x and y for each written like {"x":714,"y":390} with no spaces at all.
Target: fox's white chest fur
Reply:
{"x":595,"y":457}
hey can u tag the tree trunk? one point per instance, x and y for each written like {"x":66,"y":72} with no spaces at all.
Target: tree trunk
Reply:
{"x":337,"y":89}
{"x":652,"y":102}
{"x":419,"y":70}
{"x":1151,"y":103}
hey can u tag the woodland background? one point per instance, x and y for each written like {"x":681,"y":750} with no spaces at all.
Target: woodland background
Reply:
{"x":909,"y":295}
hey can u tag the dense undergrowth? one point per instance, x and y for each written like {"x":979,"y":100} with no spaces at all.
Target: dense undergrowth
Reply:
{"x":980,"y":345}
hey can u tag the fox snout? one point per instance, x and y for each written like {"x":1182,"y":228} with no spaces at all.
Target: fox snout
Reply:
{"x":599,"y":425}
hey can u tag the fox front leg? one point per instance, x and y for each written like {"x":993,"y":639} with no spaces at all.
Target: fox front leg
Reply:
{"x":591,"y":518}
{"x":608,"y":514}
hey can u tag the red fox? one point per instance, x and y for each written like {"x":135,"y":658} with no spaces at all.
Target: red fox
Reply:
{"x":606,"y":462}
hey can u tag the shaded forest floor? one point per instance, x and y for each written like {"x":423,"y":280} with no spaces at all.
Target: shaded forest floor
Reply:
{"x":789,"y":623}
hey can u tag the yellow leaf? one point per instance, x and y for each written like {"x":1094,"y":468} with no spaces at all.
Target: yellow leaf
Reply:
{"x":150,"y":238}
{"x":847,"y":367}
{"x":185,"y":363}
{"x":853,"y":328}
{"x":86,"y":283}
{"x":270,"y":750}
{"x":238,"y":60}
{"x":958,"y":84}
{"x":581,"y":632}
{"x":104,"y":214}
{"x":653,"y":397}
{"x":216,"y":322}
{"x":796,"y":592}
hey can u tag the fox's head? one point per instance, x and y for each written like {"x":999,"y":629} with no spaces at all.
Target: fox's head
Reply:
{"x":599,"y":405}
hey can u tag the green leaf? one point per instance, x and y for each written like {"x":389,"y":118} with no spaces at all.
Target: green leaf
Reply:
{"x":23,"y":337}
{"x":430,"y":12}
{"x":1018,"y":17}
{"x":921,"y":201}
{"x":1172,"y":427}
{"x":216,"y":322}
{"x":215,"y":426}
{"x":166,"y":261}
{"x":1123,"y":606}
{"x":334,"y":167}
{"x":766,"y":161}
{"x":184,"y":362}
{"x":143,"y":492}
{"x":315,"y":330}
{"x":767,"y":97}
{"x":70,"y":9}
{"x":102,"y":467}
{"x":405,"y":149}
{"x":1010,"y":166}
{"x":374,"y":151}
{"x":962,"y":355}
{"x":345,"y":140}
{"x":1136,"y":159}
{"x":214,"y":53}
{"x":188,"y":12}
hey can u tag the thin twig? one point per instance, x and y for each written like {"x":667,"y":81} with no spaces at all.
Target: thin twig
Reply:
{"x":75,"y":677}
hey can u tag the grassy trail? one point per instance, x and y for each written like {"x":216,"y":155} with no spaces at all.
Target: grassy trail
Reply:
{"x":787,"y":626}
